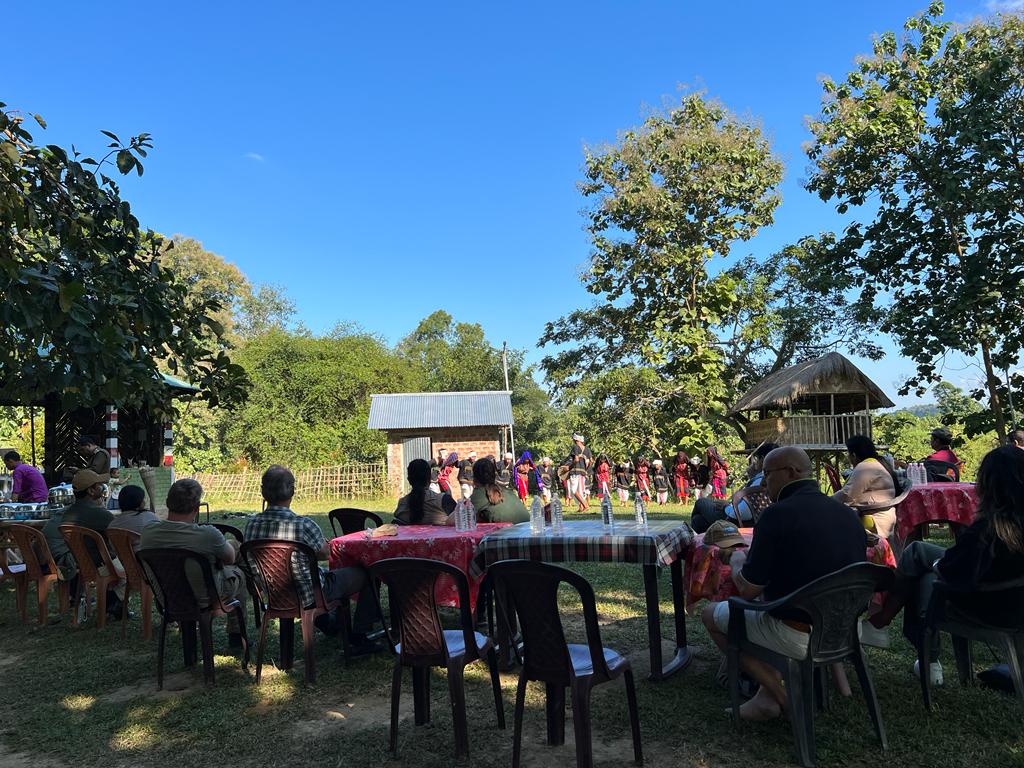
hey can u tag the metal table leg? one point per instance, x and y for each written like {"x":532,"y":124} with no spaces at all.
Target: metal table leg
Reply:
{"x":682,"y":656}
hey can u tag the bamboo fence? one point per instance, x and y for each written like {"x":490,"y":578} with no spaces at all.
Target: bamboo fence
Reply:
{"x":346,"y":481}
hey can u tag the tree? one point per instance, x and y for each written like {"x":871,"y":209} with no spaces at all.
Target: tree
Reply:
{"x":926,"y":137}
{"x":87,"y":309}
{"x":668,"y":198}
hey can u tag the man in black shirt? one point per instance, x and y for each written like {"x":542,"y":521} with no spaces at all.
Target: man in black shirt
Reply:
{"x":505,"y":470}
{"x":466,"y":474}
{"x":580,"y":459}
{"x":801,"y":537}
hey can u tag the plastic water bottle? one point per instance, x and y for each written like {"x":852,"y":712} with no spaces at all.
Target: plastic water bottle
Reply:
{"x":470,"y":515}
{"x":607,"y":518}
{"x":556,"y":515}
{"x":460,"y":515}
{"x":640,"y":512}
{"x":537,"y":516}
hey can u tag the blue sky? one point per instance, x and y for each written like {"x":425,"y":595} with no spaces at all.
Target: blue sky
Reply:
{"x":383,"y":160}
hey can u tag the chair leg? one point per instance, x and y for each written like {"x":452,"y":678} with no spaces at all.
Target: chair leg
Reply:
{"x":517,"y":720}
{"x":244,"y":633}
{"x":580,"y":692}
{"x":1014,"y":648}
{"x":64,"y":597}
{"x":800,"y":686}
{"x":924,"y":653}
{"x":161,"y":644}
{"x":867,"y":685}
{"x":634,"y":717}
{"x":188,"y":642}
{"x":287,"y":643}
{"x":499,"y":702}
{"x":457,"y":694}
{"x":554,"y":707}
{"x":206,"y":642}
{"x":21,"y":592}
{"x":306,"y":621}
{"x":396,"y":694}
{"x":42,"y":598}
{"x":421,"y":695}
{"x":124,"y":610}
{"x":259,"y":647}
{"x":733,"y":657}
{"x":101,"y":603}
{"x":962,"y":654}
{"x":146,"y":602}
{"x":344,"y":613}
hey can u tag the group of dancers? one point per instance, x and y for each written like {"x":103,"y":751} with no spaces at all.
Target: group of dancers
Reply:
{"x":580,"y":476}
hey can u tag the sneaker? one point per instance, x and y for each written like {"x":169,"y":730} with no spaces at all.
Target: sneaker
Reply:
{"x":934,"y":671}
{"x":873,"y":636}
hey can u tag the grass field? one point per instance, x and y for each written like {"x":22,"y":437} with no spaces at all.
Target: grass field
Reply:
{"x":82,"y":697}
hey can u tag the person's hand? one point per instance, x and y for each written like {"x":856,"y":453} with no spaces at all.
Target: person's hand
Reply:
{"x":737,"y":557}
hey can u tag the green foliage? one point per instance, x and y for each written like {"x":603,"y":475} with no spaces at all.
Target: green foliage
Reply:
{"x":926,"y":136}
{"x":88,"y":310}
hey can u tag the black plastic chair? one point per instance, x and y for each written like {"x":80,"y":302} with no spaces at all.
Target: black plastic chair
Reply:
{"x":166,"y":572}
{"x":271,"y":562}
{"x":941,"y":471}
{"x":943,"y":616}
{"x":422,"y":643}
{"x":351,"y":520}
{"x":250,"y":581}
{"x":531,"y":591}
{"x":832,"y":605}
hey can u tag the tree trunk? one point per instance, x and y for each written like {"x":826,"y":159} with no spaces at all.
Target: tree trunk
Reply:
{"x":993,"y":391}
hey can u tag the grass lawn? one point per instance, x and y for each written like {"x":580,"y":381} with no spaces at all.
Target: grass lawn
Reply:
{"x":84,"y":697}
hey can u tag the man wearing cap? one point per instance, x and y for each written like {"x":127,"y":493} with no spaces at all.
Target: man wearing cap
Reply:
{"x":580,"y":459}
{"x":87,"y":511}
{"x":29,"y":486}
{"x":801,"y":537}
{"x":466,"y":474}
{"x":547,"y":477}
{"x":942,"y":439}
{"x":505,"y":469}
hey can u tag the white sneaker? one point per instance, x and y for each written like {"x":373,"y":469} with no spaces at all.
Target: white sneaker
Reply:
{"x":873,"y":636}
{"x":934,"y":671}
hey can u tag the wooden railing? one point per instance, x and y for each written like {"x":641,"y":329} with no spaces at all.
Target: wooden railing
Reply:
{"x":829,"y":431}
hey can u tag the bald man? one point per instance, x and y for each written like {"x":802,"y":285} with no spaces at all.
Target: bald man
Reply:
{"x":801,"y":537}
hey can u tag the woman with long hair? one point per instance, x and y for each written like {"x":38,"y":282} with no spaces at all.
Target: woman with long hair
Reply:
{"x":659,"y":477}
{"x":643,"y":478}
{"x":719,"y":469}
{"x":622,"y":481}
{"x":602,"y":475}
{"x":422,"y":506}
{"x":681,"y":475}
{"x":990,"y":550}
{"x":873,"y":482}
{"x":493,"y":503}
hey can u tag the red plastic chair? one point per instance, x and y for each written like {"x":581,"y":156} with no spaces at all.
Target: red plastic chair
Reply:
{"x":531,"y":592}
{"x":124,"y":543}
{"x":17,"y":573}
{"x":835,"y":481}
{"x":421,"y":642}
{"x":78,"y":538}
{"x":271,"y":563}
{"x":39,"y":568}
{"x":167,"y":575}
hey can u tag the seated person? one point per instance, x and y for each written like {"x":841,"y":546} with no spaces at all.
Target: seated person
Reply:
{"x":941,"y":441}
{"x":278,"y":521}
{"x":706,"y":511}
{"x":28,"y":487}
{"x":135,"y":516}
{"x":990,"y":550}
{"x":1017,"y":438}
{"x":181,"y":531}
{"x":422,"y":506}
{"x":493,"y":503}
{"x":872,"y":482}
{"x":87,"y":511}
{"x":802,"y":536}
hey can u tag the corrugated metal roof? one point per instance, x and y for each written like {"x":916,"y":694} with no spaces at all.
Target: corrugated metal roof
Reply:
{"x":421,"y":410}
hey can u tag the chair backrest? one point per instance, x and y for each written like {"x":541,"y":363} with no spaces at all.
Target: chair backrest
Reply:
{"x":166,"y":572}
{"x":834,"y":479}
{"x":229,"y":530}
{"x":411,"y":583}
{"x":941,"y":471}
{"x":532,"y":589}
{"x":35,"y":552}
{"x":124,"y":544}
{"x":832,"y":605}
{"x":273,"y":564}
{"x":943,"y":592}
{"x":867,"y":509}
{"x":350,"y":520}
{"x":757,"y":499}
{"x":83,"y":542}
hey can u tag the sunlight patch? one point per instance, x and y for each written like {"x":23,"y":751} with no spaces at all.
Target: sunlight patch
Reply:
{"x":135,"y":736}
{"x":78,"y":702}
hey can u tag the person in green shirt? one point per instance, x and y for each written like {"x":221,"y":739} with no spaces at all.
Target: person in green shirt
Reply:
{"x":493,"y":503}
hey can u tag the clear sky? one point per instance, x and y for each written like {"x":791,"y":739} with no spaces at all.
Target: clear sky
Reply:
{"x":383,"y":160}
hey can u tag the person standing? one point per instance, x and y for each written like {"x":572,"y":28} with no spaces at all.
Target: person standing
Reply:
{"x":466,"y":475}
{"x":623,"y":479}
{"x":435,"y":474}
{"x":580,"y":459}
{"x":681,"y":475}
{"x":660,"y":480}
{"x":546,"y":477}
{"x":98,"y":459}
{"x":523,"y":469}
{"x":505,"y":470}
{"x":643,"y":478}
{"x":603,"y":476}
{"x":719,"y":469}
{"x":29,"y":486}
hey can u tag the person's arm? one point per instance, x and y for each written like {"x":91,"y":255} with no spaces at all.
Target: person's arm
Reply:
{"x":747,"y":590}
{"x":16,"y":486}
{"x":855,"y":487}
{"x":225,"y":552}
{"x":752,"y":569}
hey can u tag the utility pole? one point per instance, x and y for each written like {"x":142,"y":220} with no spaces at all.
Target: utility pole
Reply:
{"x":504,"y":368}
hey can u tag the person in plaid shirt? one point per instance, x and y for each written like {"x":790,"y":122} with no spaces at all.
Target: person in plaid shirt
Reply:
{"x":277,"y":521}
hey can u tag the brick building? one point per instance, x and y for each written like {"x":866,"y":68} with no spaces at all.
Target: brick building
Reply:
{"x":418,"y":425}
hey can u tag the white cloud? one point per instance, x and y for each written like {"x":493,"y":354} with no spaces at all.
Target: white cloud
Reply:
{"x":259,"y":158}
{"x":1005,"y":6}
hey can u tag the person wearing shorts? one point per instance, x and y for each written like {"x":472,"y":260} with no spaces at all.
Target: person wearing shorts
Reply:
{"x":580,"y":459}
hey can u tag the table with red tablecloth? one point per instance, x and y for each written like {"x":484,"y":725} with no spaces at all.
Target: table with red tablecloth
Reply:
{"x":707,"y":577}
{"x":934,"y":503}
{"x":434,"y":542}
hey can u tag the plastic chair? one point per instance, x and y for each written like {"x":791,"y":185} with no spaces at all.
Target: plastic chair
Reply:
{"x":124,"y":544}
{"x":832,"y":606}
{"x":250,"y":580}
{"x":17,"y":572}
{"x":39,"y":568}
{"x":166,"y":572}
{"x":943,"y":616}
{"x":79,"y":538}
{"x":422,"y":643}
{"x":271,"y":562}
{"x":351,"y":520}
{"x":531,"y":589}
{"x":757,"y":499}
{"x":835,"y":481}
